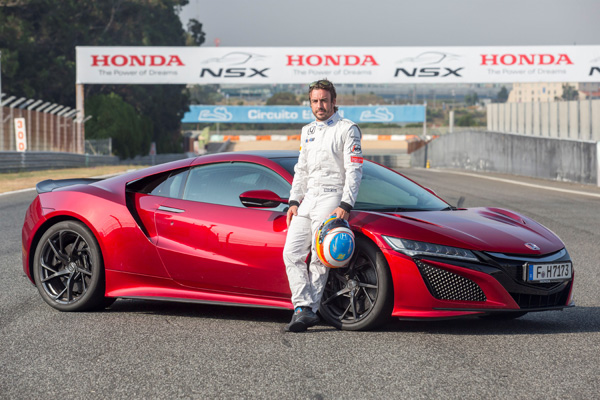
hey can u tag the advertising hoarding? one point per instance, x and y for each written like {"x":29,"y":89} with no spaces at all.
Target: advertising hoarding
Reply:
{"x":348,"y":65}
{"x":299,"y":114}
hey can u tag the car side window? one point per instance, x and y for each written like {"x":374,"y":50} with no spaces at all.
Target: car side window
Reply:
{"x":224,"y":182}
{"x":171,"y":187}
{"x":168,"y":184}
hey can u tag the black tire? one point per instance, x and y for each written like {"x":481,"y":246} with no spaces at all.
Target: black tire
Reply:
{"x":68,"y":269}
{"x":504,"y":316}
{"x":360,"y":296}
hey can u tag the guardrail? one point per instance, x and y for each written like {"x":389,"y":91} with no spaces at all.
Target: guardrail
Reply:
{"x":14,"y":161}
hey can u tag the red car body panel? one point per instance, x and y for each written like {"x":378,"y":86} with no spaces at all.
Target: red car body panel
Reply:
{"x":233,"y":255}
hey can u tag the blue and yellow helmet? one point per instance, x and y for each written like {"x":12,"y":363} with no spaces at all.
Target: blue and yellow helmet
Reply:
{"x":334,"y":242}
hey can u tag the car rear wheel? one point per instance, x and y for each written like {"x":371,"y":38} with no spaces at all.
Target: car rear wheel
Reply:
{"x":68,"y":269}
{"x":360,"y":296}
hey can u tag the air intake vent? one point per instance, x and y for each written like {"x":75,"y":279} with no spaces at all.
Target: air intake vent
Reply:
{"x":445,"y":285}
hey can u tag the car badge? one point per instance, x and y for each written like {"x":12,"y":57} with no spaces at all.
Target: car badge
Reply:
{"x":532,"y":246}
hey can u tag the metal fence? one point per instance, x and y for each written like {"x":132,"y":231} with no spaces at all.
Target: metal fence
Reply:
{"x":578,"y":120}
{"x":99,"y":147}
{"x":45,"y":131}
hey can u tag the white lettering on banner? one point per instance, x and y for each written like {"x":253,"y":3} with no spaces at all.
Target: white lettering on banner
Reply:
{"x":270,"y":115}
{"x":342,"y":65}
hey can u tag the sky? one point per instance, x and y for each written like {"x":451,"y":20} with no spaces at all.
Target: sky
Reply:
{"x":396,"y":23}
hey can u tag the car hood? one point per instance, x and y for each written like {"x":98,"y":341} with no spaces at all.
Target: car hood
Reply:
{"x":484,"y":229}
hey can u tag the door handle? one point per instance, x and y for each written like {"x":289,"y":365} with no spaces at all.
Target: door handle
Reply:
{"x":171,"y":209}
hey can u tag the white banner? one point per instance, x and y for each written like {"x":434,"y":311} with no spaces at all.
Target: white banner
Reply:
{"x":377,"y":65}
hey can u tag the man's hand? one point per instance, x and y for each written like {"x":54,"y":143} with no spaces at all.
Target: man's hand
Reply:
{"x":292,"y":211}
{"x":340,"y":213}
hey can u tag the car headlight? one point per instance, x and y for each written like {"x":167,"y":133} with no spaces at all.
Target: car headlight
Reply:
{"x":413,"y":248}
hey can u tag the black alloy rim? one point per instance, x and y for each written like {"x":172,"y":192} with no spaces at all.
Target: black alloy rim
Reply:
{"x":351,"y":292}
{"x":65,"y":267}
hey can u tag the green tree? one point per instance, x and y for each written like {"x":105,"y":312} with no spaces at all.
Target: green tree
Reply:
{"x":502,"y":95}
{"x":195,"y":35}
{"x":466,"y":120}
{"x":205,"y":94}
{"x":283,"y":99}
{"x":38,"y":39}
{"x":471,"y":99}
{"x":569,"y":92}
{"x":116,"y":119}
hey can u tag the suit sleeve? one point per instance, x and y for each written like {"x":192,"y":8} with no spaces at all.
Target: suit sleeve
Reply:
{"x":353,"y":162}
{"x":300,"y":182}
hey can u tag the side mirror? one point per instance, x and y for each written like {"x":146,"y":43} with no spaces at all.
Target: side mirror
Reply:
{"x":261,"y":199}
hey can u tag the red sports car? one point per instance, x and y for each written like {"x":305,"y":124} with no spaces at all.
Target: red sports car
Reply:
{"x":211,"y":229}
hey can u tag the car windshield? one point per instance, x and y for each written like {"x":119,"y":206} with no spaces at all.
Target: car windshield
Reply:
{"x":384,"y":190}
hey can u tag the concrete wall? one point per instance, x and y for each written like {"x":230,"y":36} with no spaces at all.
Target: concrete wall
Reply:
{"x":548,"y":158}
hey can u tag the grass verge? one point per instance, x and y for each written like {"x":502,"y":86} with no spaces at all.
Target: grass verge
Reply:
{"x":25,"y":180}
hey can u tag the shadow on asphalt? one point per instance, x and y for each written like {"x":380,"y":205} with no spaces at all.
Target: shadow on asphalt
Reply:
{"x":572,"y":320}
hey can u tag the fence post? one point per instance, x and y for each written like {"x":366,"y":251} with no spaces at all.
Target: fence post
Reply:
{"x":598,"y":164}
{"x":591,"y":119}
{"x":11,"y":131}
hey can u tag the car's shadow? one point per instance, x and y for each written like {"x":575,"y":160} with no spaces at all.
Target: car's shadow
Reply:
{"x":197,"y":310}
{"x":572,"y":320}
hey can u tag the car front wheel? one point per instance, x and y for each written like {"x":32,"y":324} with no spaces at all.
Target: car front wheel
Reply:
{"x":360,"y":296}
{"x":68,"y":269}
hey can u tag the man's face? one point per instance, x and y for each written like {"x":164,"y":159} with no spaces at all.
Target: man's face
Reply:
{"x":321,"y":104}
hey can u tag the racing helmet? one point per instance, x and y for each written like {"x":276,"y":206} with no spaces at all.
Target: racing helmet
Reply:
{"x":334,"y":242}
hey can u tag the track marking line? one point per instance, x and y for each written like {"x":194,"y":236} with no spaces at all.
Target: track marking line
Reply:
{"x":16,"y":191}
{"x":491,"y":178}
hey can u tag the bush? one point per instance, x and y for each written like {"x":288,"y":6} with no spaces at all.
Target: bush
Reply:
{"x":113,"y":118}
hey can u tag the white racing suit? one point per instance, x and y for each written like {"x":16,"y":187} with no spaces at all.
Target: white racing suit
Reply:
{"x":327,"y":176}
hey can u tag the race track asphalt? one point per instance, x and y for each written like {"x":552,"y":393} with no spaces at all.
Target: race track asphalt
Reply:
{"x":153,"y":350}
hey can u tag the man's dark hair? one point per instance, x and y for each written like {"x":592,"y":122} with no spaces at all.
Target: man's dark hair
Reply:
{"x":325,"y":85}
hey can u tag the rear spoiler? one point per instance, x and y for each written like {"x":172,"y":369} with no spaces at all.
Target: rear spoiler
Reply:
{"x":50,"y":184}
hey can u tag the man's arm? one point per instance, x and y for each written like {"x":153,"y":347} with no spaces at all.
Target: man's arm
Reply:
{"x":299,"y":183}
{"x":353,"y":161}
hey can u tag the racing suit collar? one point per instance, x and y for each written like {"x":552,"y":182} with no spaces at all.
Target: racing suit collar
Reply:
{"x":330,"y":121}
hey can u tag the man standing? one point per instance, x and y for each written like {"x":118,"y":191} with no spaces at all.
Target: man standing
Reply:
{"x":326,"y":181}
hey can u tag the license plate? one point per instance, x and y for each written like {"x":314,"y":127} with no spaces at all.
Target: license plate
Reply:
{"x":548,"y":272}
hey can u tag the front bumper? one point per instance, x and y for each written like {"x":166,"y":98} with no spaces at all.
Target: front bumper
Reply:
{"x":432,"y":287}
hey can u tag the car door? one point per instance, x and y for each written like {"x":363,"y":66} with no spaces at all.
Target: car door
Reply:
{"x":208,"y":239}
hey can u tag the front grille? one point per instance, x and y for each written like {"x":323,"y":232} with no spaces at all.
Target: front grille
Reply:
{"x":445,"y":285}
{"x":531,"y":294}
{"x":559,"y":298}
